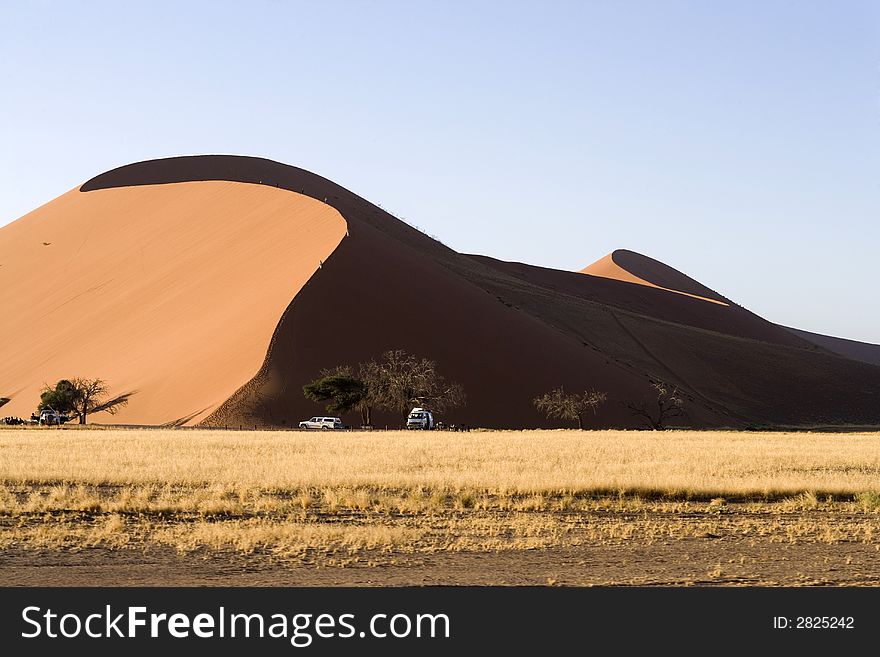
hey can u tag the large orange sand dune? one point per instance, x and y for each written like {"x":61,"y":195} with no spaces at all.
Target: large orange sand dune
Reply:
{"x":171,"y":291}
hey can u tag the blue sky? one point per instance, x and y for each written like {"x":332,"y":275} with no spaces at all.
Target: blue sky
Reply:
{"x":736,"y":141}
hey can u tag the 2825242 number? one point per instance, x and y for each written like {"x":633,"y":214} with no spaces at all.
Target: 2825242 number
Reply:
{"x":824,"y":623}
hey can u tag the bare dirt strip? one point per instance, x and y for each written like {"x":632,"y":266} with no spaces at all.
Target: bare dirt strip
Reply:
{"x":699,"y":561}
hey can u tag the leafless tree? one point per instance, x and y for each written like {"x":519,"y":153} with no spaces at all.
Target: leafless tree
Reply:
{"x":402,"y":380}
{"x":667,"y":405}
{"x":558,"y":404}
{"x":90,"y":396}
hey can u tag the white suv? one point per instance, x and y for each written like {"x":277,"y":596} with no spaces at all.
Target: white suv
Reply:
{"x":50,"y":417}
{"x":321,"y":423}
{"x":420,"y":418}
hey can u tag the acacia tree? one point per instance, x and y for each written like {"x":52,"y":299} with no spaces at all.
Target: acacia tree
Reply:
{"x":349,"y":390}
{"x":60,"y":398}
{"x":344,"y":391}
{"x":655,"y":414}
{"x":558,"y":404}
{"x":82,"y":397}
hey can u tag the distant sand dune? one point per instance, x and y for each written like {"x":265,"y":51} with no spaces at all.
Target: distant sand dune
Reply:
{"x":608,"y":267}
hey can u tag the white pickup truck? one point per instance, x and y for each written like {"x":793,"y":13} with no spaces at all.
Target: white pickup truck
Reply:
{"x":321,"y":423}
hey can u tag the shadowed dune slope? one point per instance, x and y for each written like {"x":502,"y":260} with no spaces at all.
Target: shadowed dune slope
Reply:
{"x":652,"y":301}
{"x":507,"y":332}
{"x":172,"y":291}
{"x":745,"y":368}
{"x":375,"y":294}
{"x":863,"y":351}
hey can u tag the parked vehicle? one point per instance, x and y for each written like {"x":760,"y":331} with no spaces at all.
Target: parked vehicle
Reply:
{"x":420,"y":418}
{"x":321,"y":423}
{"x":50,"y":417}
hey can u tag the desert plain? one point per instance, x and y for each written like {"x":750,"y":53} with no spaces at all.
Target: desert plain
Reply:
{"x":103,"y":506}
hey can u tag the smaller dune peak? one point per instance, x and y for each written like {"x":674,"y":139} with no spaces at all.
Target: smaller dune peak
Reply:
{"x":632,"y":267}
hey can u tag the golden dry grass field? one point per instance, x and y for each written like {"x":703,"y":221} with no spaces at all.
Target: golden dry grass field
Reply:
{"x":507,"y":507}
